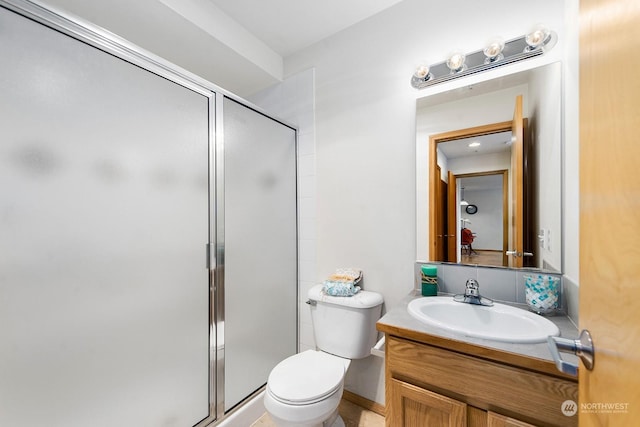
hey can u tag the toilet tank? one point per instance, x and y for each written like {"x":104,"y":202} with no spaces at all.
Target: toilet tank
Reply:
{"x":345,"y":326}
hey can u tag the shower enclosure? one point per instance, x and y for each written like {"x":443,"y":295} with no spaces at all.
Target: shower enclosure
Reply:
{"x":148,"y":234}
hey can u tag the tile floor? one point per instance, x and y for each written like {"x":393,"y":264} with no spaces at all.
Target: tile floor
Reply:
{"x":352,"y":414}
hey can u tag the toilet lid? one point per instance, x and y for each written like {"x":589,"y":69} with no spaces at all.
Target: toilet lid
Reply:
{"x":306,"y":377}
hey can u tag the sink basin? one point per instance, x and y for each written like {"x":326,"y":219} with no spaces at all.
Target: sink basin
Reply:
{"x":499,"y":322}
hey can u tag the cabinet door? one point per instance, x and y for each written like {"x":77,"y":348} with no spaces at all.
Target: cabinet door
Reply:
{"x":497,"y":420}
{"x":414,"y":406}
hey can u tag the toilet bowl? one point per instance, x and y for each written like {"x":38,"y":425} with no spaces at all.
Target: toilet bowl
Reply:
{"x":304,"y":390}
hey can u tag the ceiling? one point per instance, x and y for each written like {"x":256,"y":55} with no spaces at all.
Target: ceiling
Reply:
{"x":492,"y":143}
{"x":246,"y":41}
{"x":481,"y":183}
{"x":287,"y":26}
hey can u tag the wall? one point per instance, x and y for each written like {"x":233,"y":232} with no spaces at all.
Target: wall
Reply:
{"x":364,"y":175}
{"x":498,"y":284}
{"x":487,"y":222}
{"x":365,"y":133}
{"x":570,"y":179}
{"x":546,"y":129}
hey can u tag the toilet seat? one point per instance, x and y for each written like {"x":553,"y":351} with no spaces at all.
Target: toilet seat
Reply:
{"x":306,"y":378}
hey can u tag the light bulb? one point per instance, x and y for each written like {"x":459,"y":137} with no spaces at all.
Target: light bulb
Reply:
{"x":493,"y":48}
{"x":537,"y":36}
{"x":421,"y":72}
{"x":456,"y":61}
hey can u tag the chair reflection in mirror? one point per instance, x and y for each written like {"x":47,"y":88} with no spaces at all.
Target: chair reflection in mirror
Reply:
{"x":466,"y":239}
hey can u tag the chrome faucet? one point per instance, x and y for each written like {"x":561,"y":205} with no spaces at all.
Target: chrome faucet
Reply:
{"x":472,"y":294}
{"x":472,"y":289}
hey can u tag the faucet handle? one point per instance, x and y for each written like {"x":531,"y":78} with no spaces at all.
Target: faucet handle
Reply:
{"x":472,"y":294}
{"x":473,"y":283}
{"x":473,"y":288}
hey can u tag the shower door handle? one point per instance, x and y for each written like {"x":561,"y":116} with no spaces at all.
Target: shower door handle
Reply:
{"x":211,"y":257}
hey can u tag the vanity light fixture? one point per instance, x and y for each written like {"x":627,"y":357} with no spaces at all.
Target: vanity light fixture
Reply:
{"x":495,"y":53}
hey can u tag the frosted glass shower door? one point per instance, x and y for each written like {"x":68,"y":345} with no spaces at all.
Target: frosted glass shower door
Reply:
{"x":260,"y":262}
{"x":104,"y":291}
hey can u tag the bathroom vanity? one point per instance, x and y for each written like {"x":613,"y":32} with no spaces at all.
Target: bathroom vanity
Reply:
{"x":438,"y":378}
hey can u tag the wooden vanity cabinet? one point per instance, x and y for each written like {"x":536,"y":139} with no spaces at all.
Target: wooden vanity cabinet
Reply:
{"x":432,"y":386}
{"x":497,"y":420}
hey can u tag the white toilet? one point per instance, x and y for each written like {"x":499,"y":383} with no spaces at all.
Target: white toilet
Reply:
{"x":304,"y":390}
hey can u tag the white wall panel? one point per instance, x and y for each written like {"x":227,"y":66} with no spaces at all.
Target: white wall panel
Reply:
{"x":365,"y":130}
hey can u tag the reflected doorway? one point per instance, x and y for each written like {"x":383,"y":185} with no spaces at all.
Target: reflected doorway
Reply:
{"x":481,"y":216}
{"x":485,"y":149}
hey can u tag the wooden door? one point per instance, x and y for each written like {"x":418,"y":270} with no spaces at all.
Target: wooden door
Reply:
{"x":516,"y":243}
{"x":609,"y":202}
{"x":452,"y":219}
{"x":416,"y":407}
{"x":530,"y":208}
{"x":444,"y":209}
{"x":440,"y":213}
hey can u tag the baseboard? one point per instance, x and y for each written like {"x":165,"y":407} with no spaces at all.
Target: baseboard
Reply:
{"x":246,"y":413}
{"x":363,"y":402}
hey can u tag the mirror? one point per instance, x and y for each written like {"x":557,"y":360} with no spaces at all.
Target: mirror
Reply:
{"x":504,"y":204}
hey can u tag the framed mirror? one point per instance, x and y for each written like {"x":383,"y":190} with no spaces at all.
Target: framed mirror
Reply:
{"x":497,"y":146}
